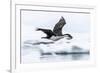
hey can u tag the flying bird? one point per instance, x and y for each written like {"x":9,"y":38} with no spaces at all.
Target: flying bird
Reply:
{"x":56,"y":33}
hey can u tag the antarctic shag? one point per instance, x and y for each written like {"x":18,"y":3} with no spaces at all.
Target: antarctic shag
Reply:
{"x":56,"y":34}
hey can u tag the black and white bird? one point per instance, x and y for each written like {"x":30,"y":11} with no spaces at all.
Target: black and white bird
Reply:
{"x":56,"y":34}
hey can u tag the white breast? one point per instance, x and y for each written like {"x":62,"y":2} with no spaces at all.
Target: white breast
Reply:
{"x":54,"y":38}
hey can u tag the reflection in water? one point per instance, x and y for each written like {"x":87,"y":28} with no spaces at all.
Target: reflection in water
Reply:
{"x":76,"y":53}
{"x":79,"y":56}
{"x":65,"y":57}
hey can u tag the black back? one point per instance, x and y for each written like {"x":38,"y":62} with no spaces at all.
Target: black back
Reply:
{"x":48,"y":32}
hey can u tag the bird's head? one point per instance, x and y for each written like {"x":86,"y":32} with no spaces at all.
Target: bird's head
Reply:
{"x":68,"y":36}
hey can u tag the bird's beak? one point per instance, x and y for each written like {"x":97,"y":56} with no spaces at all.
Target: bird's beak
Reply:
{"x":69,"y":38}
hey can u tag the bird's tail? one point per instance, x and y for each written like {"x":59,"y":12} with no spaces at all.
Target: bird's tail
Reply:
{"x":38,"y":29}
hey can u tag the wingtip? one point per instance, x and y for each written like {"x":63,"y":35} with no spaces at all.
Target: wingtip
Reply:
{"x":62,"y":17}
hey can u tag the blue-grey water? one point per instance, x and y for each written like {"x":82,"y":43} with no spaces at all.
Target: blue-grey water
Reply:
{"x":33,"y":53}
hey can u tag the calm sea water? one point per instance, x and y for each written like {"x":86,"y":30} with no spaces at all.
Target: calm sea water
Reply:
{"x":31,"y":54}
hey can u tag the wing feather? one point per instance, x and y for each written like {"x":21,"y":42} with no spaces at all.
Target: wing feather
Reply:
{"x":58,"y":27}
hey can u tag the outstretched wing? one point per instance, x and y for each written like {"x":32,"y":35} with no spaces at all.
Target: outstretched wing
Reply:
{"x":58,"y":27}
{"x":48,"y":32}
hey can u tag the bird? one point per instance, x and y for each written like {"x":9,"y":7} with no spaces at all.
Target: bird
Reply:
{"x":56,"y":33}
